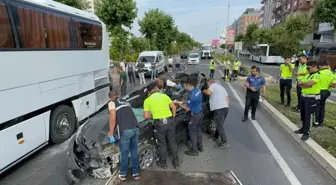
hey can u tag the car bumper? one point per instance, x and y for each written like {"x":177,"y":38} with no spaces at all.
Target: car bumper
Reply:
{"x":75,"y":174}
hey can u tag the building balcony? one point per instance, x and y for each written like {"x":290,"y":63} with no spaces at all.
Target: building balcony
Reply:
{"x":306,"y":5}
{"x":262,"y":13}
{"x":262,"y":8}
{"x":263,"y":1}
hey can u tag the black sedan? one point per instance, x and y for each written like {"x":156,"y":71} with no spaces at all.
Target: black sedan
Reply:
{"x":91,"y":153}
{"x":184,"y":55}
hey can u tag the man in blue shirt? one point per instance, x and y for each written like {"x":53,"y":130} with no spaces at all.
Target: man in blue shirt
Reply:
{"x":254,"y":83}
{"x":194,"y":107}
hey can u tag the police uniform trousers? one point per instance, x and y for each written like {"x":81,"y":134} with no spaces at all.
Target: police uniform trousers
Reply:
{"x":285,"y":85}
{"x":308,"y":107}
{"x":164,"y":132}
{"x":321,"y":109}
{"x":194,"y":128}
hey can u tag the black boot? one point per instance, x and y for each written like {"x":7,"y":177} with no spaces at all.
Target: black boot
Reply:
{"x":161,"y":164}
{"x":176,"y":163}
{"x":200,"y":148}
{"x":244,"y":119}
{"x":191,"y":152}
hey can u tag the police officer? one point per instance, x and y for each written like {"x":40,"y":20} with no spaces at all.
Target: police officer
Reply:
{"x":194,"y":109}
{"x":157,"y":107}
{"x":326,"y":76}
{"x":310,"y":97}
{"x":254,"y":84}
{"x":212,"y":68}
{"x":227,"y":66}
{"x":301,"y":73}
{"x":286,"y":75}
{"x":236,"y":67}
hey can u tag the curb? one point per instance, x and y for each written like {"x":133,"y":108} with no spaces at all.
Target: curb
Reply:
{"x":324,"y":158}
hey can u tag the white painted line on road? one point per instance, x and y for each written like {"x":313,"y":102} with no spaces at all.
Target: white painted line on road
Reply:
{"x":236,"y":178}
{"x":276,"y":154}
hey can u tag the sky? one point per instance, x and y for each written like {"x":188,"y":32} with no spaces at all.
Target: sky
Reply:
{"x":197,"y":17}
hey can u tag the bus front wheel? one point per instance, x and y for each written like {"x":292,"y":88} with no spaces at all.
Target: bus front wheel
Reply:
{"x":62,"y":124}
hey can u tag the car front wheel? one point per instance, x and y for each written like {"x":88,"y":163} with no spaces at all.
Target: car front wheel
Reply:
{"x":146,"y":154}
{"x":211,"y":129}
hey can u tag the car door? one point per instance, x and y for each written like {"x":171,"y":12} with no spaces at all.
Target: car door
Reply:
{"x":180,"y":125}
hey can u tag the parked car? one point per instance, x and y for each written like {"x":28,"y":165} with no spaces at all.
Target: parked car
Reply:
{"x":193,"y":58}
{"x":184,"y":55}
{"x":91,"y":153}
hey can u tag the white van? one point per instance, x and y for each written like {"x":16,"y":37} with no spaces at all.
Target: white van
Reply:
{"x":149,"y":57}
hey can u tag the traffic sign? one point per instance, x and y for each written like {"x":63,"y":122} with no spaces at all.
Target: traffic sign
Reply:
{"x":238,"y":45}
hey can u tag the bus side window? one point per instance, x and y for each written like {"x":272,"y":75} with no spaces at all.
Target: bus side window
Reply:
{"x":30,"y":27}
{"x":6,"y":34}
{"x":89,"y":35}
{"x":58,"y":31}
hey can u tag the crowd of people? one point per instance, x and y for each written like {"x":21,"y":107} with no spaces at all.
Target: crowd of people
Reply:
{"x":162,"y":110}
{"x":314,"y":81}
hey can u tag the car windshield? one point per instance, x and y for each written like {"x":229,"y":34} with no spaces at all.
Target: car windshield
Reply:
{"x":193,"y":55}
{"x":147,"y":58}
{"x":206,"y":47}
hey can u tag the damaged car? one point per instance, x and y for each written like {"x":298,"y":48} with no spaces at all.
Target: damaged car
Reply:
{"x":90,"y":152}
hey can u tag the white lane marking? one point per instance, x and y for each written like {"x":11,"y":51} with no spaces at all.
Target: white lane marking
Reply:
{"x":236,"y":178}
{"x":276,"y":154}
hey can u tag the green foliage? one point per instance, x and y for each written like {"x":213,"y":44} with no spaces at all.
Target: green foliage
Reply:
{"x":239,"y":37}
{"x":80,"y":4}
{"x":325,"y":12}
{"x":249,"y":39}
{"x":117,"y":13}
{"x":158,"y":26}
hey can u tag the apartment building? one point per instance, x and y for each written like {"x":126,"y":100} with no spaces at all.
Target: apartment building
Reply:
{"x":266,"y":15}
{"x":251,"y":15}
{"x":91,"y":7}
{"x":285,"y":7}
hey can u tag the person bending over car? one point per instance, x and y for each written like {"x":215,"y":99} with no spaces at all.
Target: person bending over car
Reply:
{"x":121,"y":114}
{"x":157,"y":106}
{"x":195,"y":114}
{"x":219,"y":104}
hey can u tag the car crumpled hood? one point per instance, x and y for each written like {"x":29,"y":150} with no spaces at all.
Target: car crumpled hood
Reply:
{"x":95,"y":131}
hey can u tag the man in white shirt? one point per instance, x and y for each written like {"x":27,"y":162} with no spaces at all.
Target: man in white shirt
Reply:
{"x":122,"y":65}
{"x":219,"y":104}
{"x":170,"y":64}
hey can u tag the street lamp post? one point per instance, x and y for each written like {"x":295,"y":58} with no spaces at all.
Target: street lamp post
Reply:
{"x":227,"y":26}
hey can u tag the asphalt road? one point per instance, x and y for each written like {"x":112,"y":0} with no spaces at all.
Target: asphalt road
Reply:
{"x":253,"y":161}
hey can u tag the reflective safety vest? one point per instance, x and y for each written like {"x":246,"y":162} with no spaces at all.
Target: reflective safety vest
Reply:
{"x":302,"y":69}
{"x":316,"y":88}
{"x":227,"y":64}
{"x":212,"y":65}
{"x":236,"y":65}
{"x":327,"y":77}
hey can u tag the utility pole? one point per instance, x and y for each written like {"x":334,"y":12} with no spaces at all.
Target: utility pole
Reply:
{"x":227,"y":26}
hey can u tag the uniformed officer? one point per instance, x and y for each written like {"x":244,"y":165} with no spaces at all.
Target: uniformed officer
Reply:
{"x":194,"y":109}
{"x":157,"y":106}
{"x":326,"y":76}
{"x":236,"y":67}
{"x":286,"y":75}
{"x":301,"y":73}
{"x":310,"y":97}
{"x":227,"y":67}
{"x":212,"y":68}
{"x":254,"y":83}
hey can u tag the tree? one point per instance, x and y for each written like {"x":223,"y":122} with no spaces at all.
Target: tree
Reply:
{"x":249,"y":39}
{"x":157,"y":26}
{"x":117,"y":13}
{"x":239,"y":37}
{"x":325,"y":12}
{"x":139,"y":44}
{"x":80,"y":4}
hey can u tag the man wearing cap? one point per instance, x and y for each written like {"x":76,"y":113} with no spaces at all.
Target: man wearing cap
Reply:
{"x":194,"y":109}
{"x":310,"y":97}
{"x":157,"y":107}
{"x":301,"y":73}
{"x":286,"y":75}
{"x":327,"y":78}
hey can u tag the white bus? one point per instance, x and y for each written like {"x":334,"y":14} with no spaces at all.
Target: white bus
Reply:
{"x":265,"y":53}
{"x":54,"y":74}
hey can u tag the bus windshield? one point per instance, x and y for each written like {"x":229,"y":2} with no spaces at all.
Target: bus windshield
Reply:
{"x":206,"y":48}
{"x":271,"y":52}
{"x":193,"y":55}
